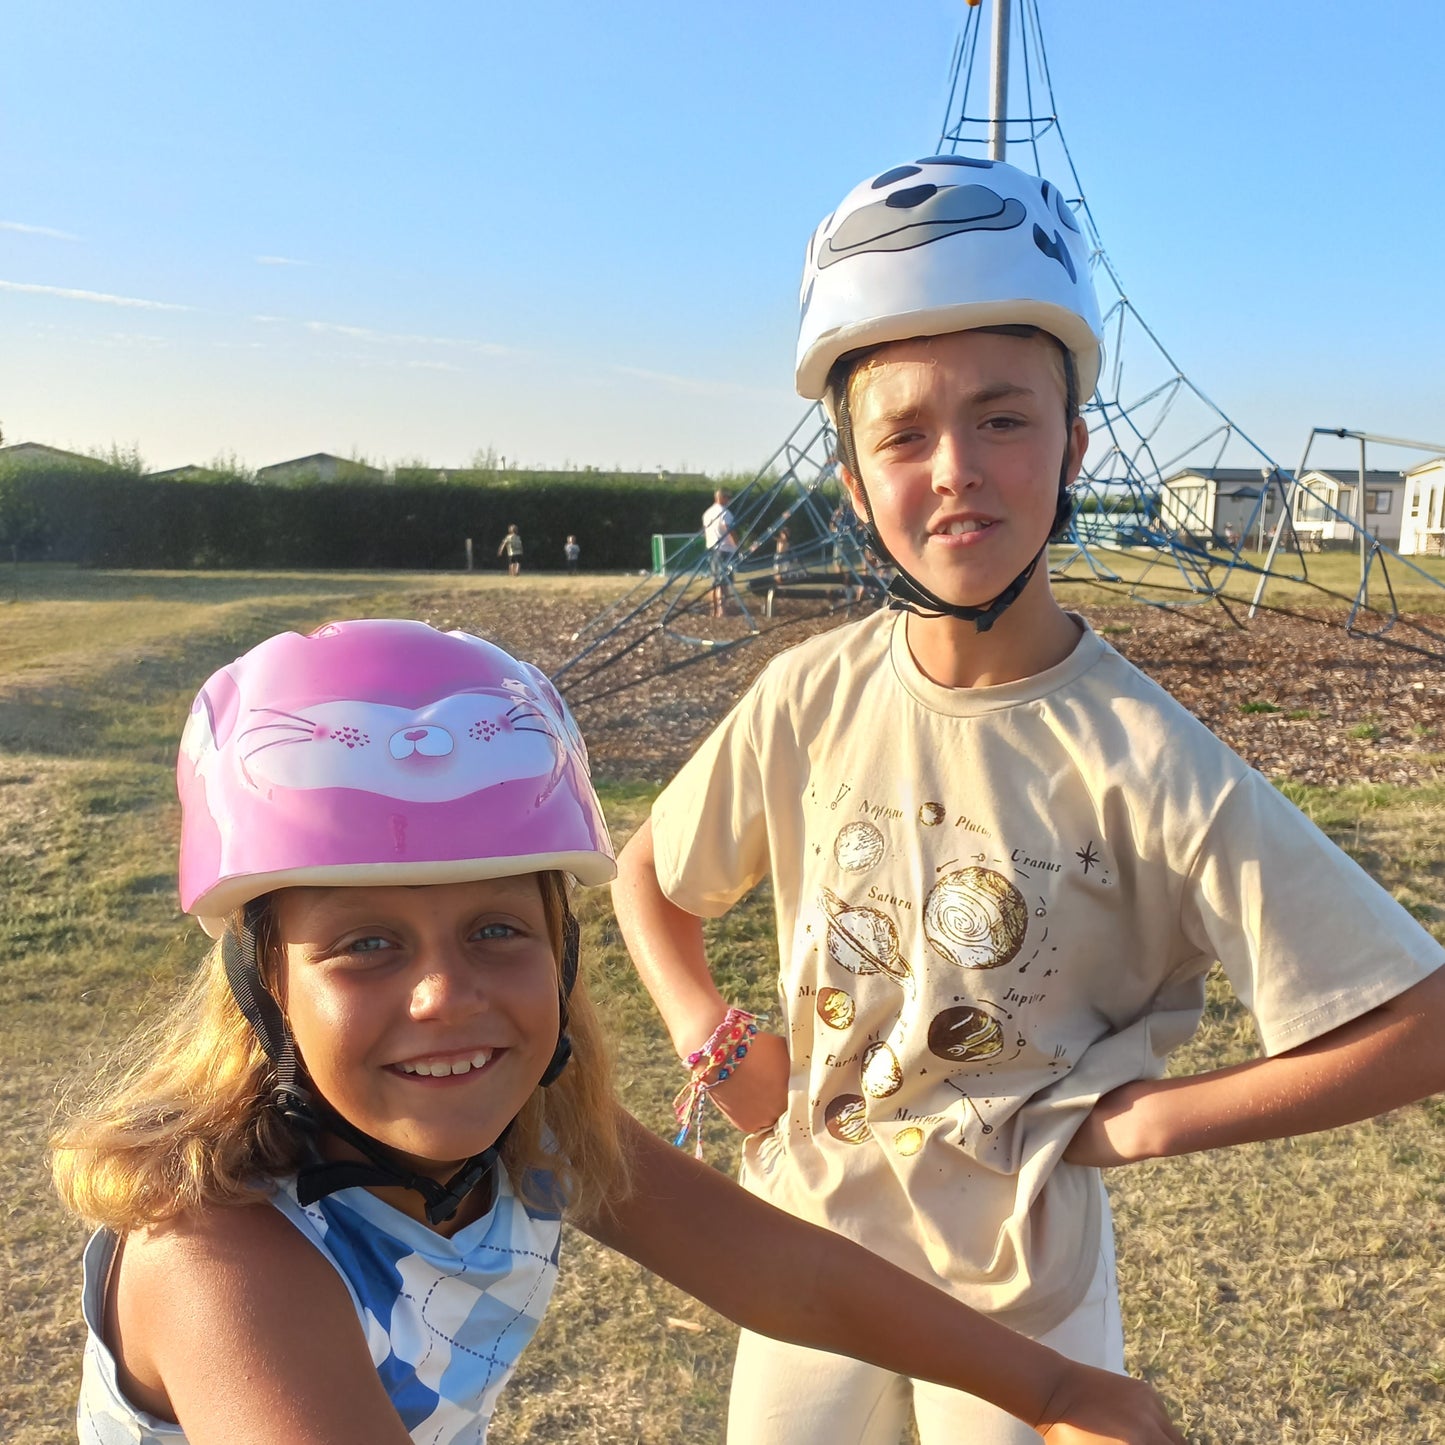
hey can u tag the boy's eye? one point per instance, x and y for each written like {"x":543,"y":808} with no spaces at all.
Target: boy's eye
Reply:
{"x":898,"y":440}
{"x":493,"y":931}
{"x":372,"y":943}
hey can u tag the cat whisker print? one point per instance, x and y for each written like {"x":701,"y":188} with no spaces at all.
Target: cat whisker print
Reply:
{"x":439,"y":746}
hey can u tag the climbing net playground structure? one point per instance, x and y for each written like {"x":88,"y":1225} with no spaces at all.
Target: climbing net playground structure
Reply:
{"x":1176,"y":505}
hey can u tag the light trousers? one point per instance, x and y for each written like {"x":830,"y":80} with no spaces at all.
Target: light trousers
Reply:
{"x":787,"y":1395}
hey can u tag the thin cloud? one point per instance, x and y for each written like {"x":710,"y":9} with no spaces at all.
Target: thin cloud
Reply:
{"x":104,"y":298}
{"x":366,"y":333}
{"x":46,"y":231}
{"x":280,"y":261}
{"x":691,"y":385}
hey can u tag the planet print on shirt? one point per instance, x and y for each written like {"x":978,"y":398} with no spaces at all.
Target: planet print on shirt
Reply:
{"x":908,"y":1141}
{"x":975,"y":918}
{"x":863,"y":940}
{"x":858,"y":847}
{"x":836,"y":1008}
{"x":846,"y":1119}
{"x":966,"y":1034}
{"x":882,"y":1073}
{"x":930,"y":815}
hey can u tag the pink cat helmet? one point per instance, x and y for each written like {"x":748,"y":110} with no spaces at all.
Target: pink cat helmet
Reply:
{"x":379,"y":752}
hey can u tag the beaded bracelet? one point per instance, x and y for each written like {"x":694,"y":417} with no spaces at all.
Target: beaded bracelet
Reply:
{"x":726,"y":1048}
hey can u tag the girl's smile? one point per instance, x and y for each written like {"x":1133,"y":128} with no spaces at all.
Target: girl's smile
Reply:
{"x":448,"y":1067}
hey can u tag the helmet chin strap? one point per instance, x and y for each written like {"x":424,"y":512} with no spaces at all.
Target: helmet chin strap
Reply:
{"x":313,"y":1116}
{"x":911,"y":595}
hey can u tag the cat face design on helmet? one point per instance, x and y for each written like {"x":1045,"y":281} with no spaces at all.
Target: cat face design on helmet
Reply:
{"x":380,"y":752}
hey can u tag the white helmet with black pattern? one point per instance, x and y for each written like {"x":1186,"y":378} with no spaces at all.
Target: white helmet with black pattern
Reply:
{"x":948,"y":243}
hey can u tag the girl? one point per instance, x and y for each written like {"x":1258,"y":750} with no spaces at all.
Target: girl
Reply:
{"x":330,"y":1183}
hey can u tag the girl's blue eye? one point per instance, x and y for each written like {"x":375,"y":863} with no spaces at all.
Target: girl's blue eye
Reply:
{"x":373,"y":943}
{"x":495,"y":931}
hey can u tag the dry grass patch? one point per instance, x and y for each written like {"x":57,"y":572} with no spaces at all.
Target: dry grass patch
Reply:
{"x":1286,"y":1292}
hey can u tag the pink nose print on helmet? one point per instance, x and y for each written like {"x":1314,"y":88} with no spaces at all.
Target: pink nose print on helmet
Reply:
{"x":425,"y":742}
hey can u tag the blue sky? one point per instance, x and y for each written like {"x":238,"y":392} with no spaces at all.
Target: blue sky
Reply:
{"x":573,"y":232}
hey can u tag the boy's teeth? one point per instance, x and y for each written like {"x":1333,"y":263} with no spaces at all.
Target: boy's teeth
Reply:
{"x":957,"y":529}
{"x":441,"y":1070}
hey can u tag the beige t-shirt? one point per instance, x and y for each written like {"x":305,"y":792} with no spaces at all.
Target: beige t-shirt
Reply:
{"x":993,"y":906}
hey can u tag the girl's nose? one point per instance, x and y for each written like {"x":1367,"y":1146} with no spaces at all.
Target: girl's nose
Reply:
{"x":450,"y":987}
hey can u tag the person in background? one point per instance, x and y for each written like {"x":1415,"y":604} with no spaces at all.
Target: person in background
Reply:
{"x":785,"y":566}
{"x":722,"y":546}
{"x":571,"y":552}
{"x":510,"y":547}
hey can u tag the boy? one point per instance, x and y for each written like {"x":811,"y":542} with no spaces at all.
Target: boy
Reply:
{"x":1003,"y":860}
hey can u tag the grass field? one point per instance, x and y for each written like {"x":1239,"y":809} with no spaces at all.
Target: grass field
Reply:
{"x":1319,"y":579}
{"x":1285,"y":1292}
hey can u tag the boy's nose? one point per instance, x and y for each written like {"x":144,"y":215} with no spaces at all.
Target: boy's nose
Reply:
{"x":953,"y":467}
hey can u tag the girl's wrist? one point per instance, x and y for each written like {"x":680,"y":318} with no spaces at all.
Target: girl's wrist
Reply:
{"x":1029,"y":1391}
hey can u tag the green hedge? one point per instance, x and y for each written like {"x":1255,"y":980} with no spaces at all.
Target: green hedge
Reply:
{"x":106,"y":518}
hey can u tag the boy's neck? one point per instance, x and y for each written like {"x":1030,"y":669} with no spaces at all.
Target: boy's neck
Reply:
{"x":1034,"y":635}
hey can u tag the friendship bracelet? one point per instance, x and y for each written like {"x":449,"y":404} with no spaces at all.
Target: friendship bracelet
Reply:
{"x":725,"y":1049}
{"x":729,"y":1030}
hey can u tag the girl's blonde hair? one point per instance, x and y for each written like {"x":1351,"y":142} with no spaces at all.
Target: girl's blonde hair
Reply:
{"x":182,"y":1118}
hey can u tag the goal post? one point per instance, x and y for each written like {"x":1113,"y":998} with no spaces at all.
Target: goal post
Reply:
{"x":674,"y":552}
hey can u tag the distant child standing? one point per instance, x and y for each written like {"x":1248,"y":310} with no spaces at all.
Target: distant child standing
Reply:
{"x":510,"y":547}
{"x":331,"y":1180}
{"x":572,"y":552}
{"x":1002,"y":859}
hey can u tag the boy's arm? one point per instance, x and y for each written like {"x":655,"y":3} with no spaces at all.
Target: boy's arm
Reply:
{"x":1387,"y":1057}
{"x":666,"y":944}
{"x":775,"y":1274}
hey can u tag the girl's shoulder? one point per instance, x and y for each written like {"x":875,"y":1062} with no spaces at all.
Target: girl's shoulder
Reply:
{"x":216,"y":1242}
{"x":238,"y":1284}
{"x":219,"y":1259}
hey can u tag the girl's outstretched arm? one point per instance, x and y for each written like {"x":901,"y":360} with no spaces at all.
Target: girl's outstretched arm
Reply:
{"x":776,"y":1275}
{"x":236,"y":1327}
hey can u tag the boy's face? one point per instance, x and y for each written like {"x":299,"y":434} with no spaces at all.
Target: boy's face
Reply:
{"x":960,"y":439}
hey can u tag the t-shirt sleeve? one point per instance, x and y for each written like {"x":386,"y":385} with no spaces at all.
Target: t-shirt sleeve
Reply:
{"x":709,"y":830}
{"x":1307,"y":938}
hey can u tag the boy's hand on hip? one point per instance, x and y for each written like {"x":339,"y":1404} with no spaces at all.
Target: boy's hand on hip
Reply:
{"x":1096,"y":1407}
{"x":756,"y":1094}
{"x":1117,"y":1130}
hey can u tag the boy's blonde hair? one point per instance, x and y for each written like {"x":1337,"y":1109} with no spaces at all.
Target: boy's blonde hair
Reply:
{"x":182,"y":1119}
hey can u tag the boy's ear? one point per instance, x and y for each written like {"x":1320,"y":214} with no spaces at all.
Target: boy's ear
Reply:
{"x":1078,"y":445}
{"x":855,"y":493}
